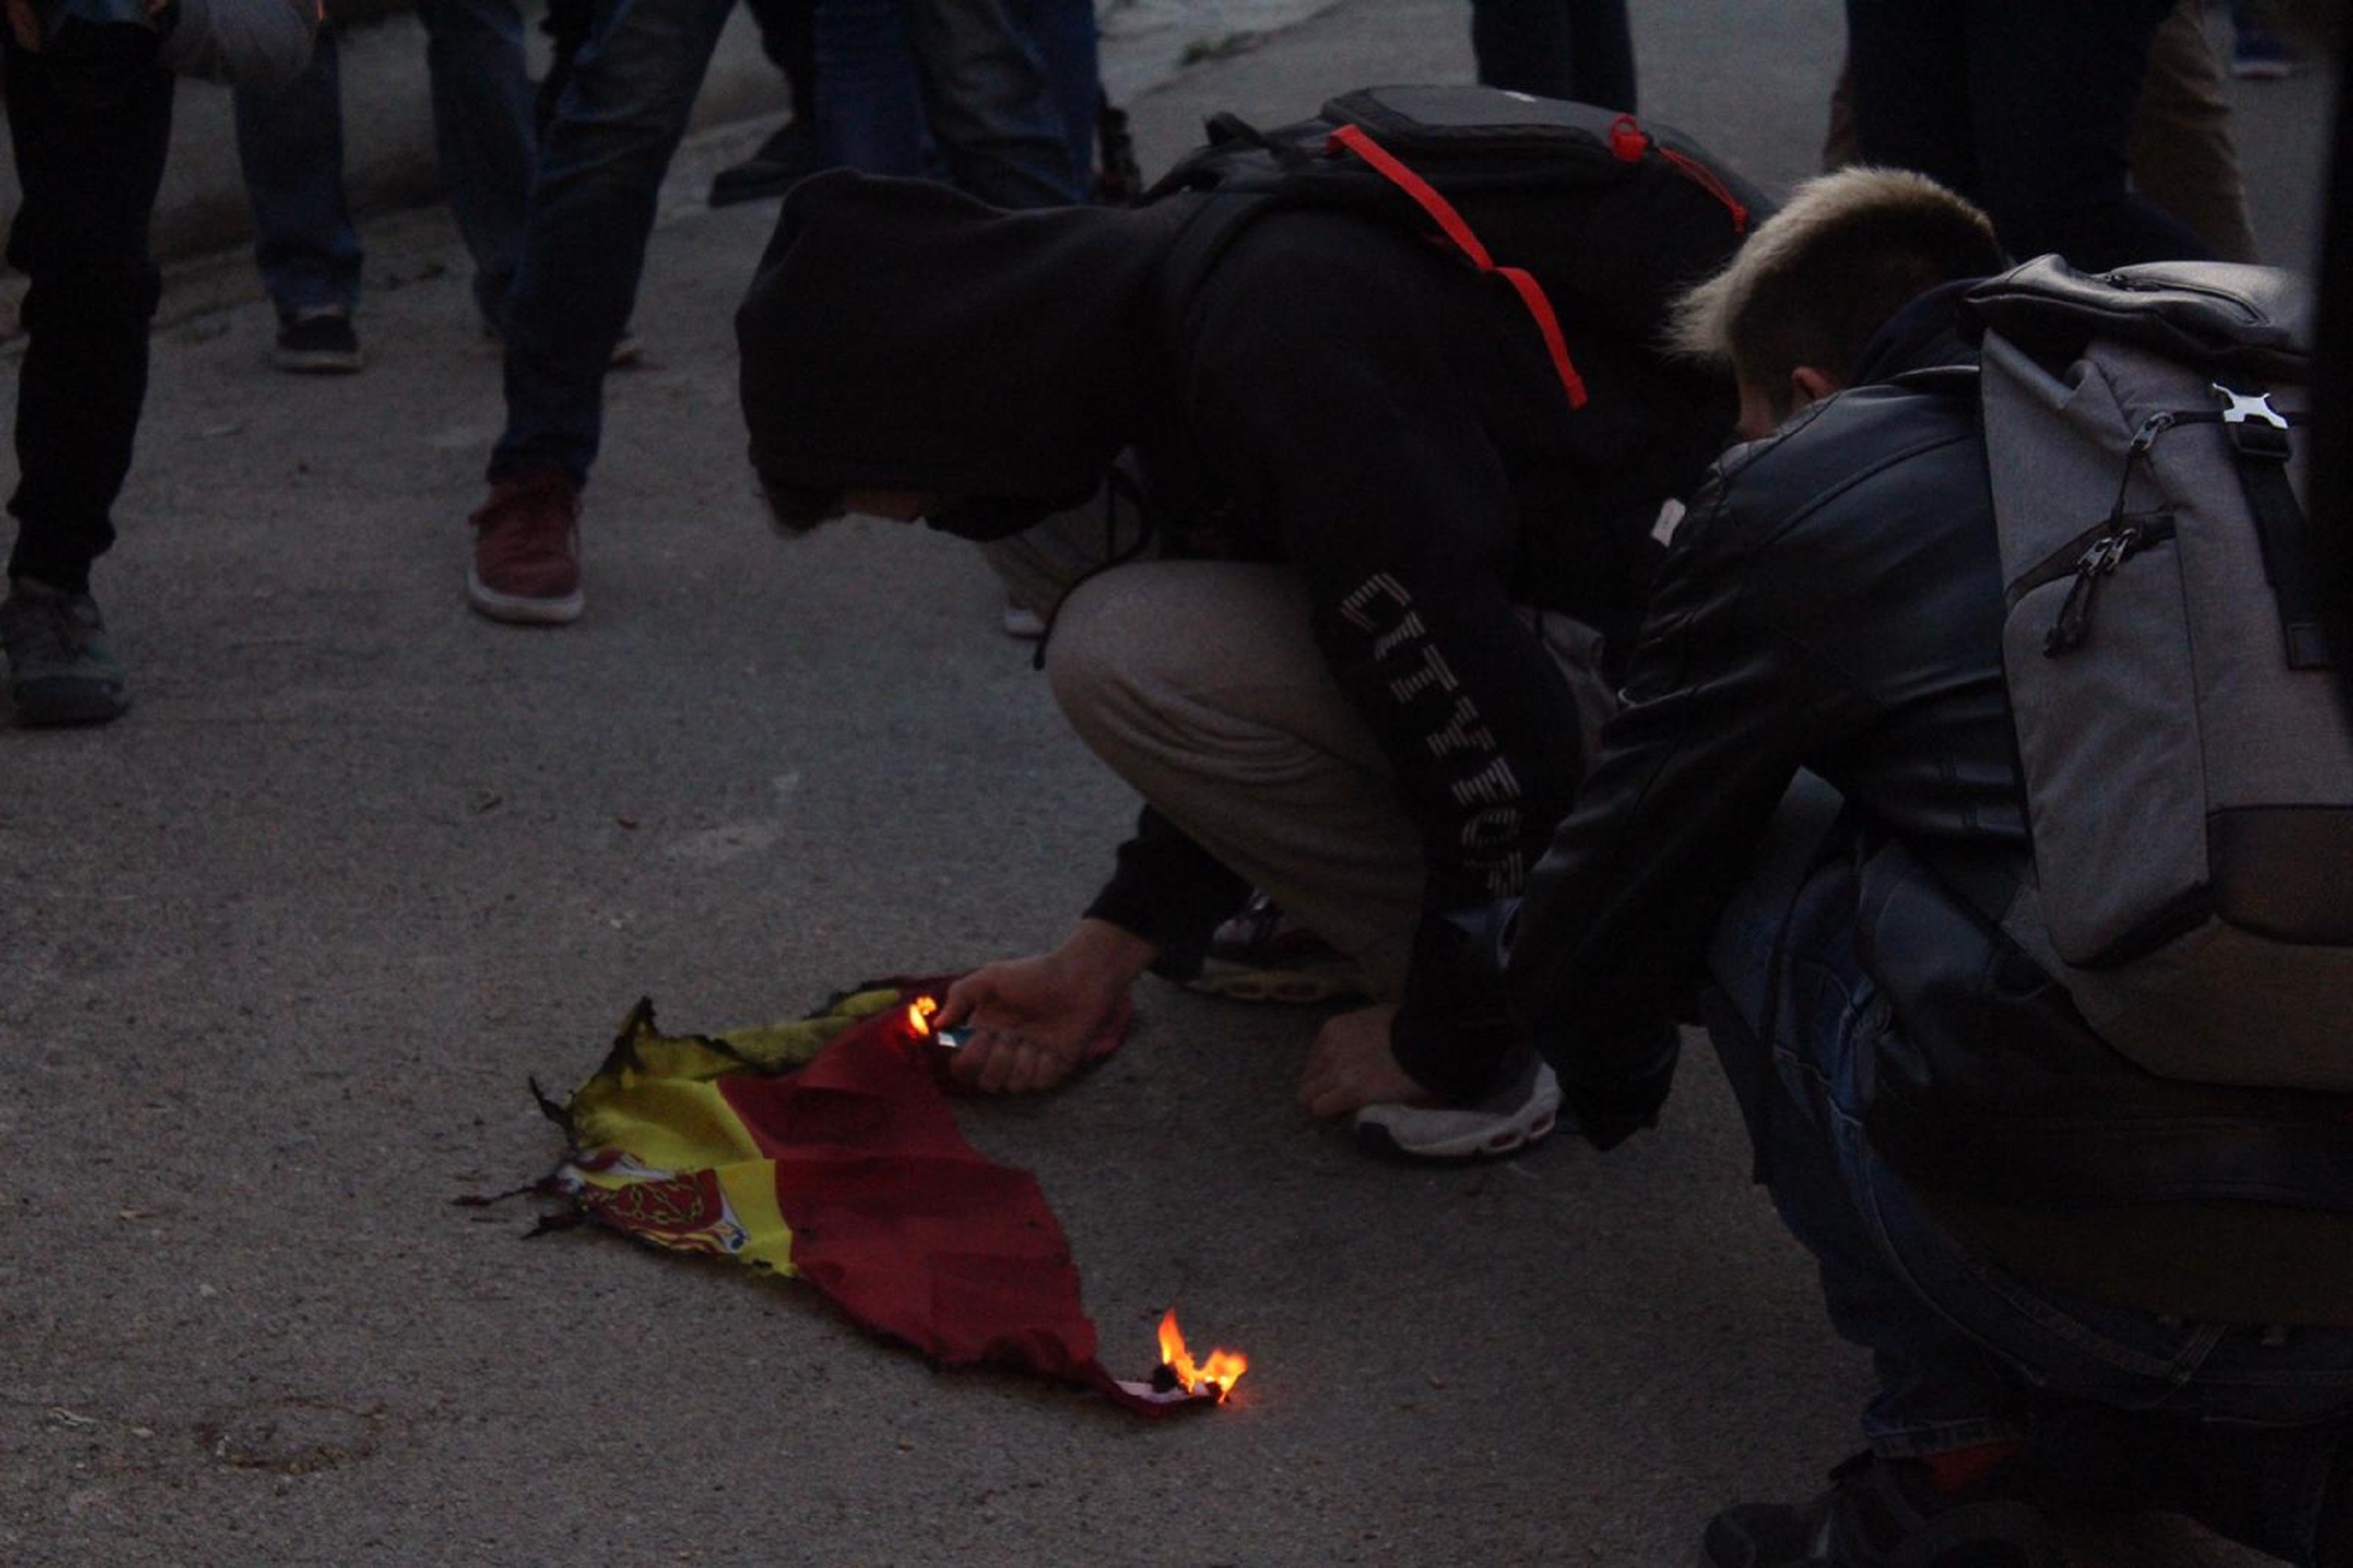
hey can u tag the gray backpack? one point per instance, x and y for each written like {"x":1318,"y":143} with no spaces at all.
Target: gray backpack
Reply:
{"x":2188,"y":762}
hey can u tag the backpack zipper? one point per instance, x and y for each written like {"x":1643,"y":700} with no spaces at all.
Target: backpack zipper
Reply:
{"x":2072,"y":629}
{"x":1628,"y":141}
{"x":2108,"y":542}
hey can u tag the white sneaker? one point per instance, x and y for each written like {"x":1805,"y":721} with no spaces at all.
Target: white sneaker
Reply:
{"x":1519,"y":1116}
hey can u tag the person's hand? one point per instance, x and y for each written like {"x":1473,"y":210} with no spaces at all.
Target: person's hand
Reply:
{"x":1035,"y":1021}
{"x":1353,"y":1066}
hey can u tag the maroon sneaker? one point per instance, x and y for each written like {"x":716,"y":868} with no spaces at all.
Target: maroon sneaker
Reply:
{"x":527,"y":551}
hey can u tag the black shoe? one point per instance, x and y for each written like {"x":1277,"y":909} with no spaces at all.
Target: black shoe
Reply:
{"x":1881,"y":1513}
{"x":318,"y":342}
{"x":61,"y":668}
{"x":1261,"y":956}
{"x":783,"y":159}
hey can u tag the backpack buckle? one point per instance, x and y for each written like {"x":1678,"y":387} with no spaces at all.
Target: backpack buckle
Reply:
{"x":2244,"y":420}
{"x":2240,"y":408}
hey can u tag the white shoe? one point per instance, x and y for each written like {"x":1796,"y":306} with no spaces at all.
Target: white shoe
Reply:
{"x":1521,"y":1114}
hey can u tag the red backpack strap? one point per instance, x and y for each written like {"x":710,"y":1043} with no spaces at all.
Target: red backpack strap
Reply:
{"x":1458,"y":231}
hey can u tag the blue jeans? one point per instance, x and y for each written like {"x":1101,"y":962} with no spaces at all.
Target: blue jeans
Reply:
{"x":2023,"y":106}
{"x":1967,"y":1352}
{"x":1001,"y":91}
{"x":601,"y":162}
{"x":1578,"y":49}
{"x":482,"y":133}
{"x":291,"y":145}
{"x":1069,"y":42}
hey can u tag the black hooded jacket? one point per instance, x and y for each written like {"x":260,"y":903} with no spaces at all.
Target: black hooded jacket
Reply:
{"x":1336,"y":394}
{"x":1834,"y":603}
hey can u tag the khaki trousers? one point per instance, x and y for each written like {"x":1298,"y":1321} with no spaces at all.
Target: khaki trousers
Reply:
{"x":1200,"y":683}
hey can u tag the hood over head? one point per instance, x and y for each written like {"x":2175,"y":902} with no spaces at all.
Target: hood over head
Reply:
{"x":902,"y":335}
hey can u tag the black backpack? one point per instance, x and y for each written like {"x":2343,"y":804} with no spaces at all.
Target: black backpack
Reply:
{"x":1584,"y":212}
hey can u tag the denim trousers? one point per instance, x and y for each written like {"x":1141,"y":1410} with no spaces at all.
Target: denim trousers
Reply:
{"x":2024,"y":106}
{"x":88,"y":174}
{"x":998,"y":95}
{"x":617,"y":123}
{"x":2239,"y":1423}
{"x":1578,"y":49}
{"x":290,"y":143}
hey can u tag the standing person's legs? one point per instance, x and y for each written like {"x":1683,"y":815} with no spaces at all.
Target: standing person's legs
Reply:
{"x":289,"y":144}
{"x":89,"y":177}
{"x":1909,"y":94}
{"x":991,"y":105}
{"x":2052,"y":90}
{"x":871,"y":105}
{"x":1580,"y":49}
{"x":2184,"y":156}
{"x":482,"y":133}
{"x":788,"y":37}
{"x":1601,"y":54}
{"x":566,"y":26}
{"x":616,"y":121}
{"x":1523,"y":45}
{"x":1067,"y":40}
{"x":1838,"y":136}
{"x":585,"y":230}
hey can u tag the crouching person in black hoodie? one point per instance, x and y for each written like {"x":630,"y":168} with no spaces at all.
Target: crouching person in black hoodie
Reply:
{"x":1372,"y":518}
{"x":2107,"y":1286}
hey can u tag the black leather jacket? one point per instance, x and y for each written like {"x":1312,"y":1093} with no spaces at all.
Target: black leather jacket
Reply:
{"x":1834,"y":602}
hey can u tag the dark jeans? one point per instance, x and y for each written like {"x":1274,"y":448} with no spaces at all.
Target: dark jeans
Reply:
{"x":2238,"y":1424}
{"x":1577,"y":50}
{"x":2023,"y":106}
{"x":788,"y":37}
{"x":1002,"y":91}
{"x":601,"y":160}
{"x":289,"y":148}
{"x":89,"y":175}
{"x":290,"y":145}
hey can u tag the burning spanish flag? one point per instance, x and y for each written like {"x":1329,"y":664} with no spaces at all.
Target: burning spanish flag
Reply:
{"x":825,"y":1149}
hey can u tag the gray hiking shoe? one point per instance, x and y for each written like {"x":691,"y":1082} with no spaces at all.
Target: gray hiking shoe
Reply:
{"x":1520,"y":1115}
{"x":61,"y":668}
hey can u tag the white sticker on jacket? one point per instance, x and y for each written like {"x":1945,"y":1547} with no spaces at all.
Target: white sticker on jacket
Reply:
{"x":1670,"y":517}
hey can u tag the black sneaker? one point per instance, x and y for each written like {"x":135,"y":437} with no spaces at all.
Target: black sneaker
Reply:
{"x":61,"y":669}
{"x":782,"y":161}
{"x":1261,"y":956}
{"x":1881,"y":1513}
{"x":318,"y":342}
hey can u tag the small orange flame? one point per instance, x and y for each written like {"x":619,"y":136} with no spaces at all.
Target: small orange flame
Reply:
{"x":919,"y":1016}
{"x":1221,"y":1371}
